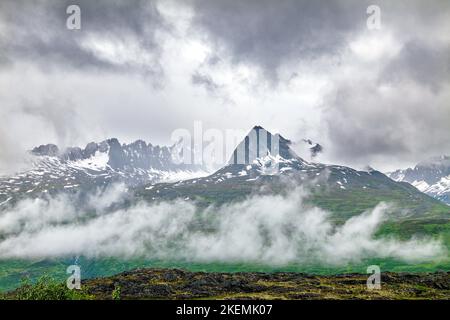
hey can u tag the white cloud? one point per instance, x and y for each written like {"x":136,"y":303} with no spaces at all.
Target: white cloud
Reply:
{"x":373,"y":46}
{"x":272,"y":229}
{"x":131,"y":78}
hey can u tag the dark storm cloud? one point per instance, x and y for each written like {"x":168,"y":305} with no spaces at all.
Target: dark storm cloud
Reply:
{"x":427,"y":65}
{"x":204,"y":80}
{"x":268,"y":33}
{"x":363,"y":126}
{"x":393,"y":106}
{"x":36,"y":46}
{"x":36,"y":31}
{"x":402,"y":113}
{"x":409,"y":123}
{"x":362,"y":122}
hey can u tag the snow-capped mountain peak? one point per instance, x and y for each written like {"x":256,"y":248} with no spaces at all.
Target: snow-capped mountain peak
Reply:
{"x":96,"y":165}
{"x":259,"y":143}
{"x":431,"y":176}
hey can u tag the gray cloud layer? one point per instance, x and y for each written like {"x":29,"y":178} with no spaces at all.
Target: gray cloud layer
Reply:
{"x":269,"y":34}
{"x":362,"y":124}
{"x":274,"y":230}
{"x":308,"y":69}
{"x":37,"y":31}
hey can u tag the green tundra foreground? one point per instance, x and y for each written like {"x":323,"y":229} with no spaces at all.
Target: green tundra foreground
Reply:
{"x":180,"y":284}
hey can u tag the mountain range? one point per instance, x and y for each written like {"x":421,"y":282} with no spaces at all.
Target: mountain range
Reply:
{"x":431,"y":177}
{"x":261,"y":159}
{"x":342,"y":190}
{"x":97,"y":165}
{"x":263,"y":163}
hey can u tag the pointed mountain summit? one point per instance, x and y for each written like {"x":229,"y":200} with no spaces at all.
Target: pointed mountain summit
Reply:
{"x":258,"y":144}
{"x":264,"y":163}
{"x":262,"y":153}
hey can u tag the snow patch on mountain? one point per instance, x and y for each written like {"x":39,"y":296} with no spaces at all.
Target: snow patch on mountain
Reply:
{"x":421,"y":185}
{"x":97,"y":162}
{"x":97,"y":165}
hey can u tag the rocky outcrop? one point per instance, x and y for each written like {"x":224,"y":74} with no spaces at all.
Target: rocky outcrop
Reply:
{"x":180,"y":284}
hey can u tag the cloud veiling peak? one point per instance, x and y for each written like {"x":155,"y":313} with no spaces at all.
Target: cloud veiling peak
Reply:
{"x":259,"y":143}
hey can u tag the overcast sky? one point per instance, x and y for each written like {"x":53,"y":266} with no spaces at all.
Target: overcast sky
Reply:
{"x":305,"y":69}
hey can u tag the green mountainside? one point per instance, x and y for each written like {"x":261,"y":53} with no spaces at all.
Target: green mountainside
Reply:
{"x":342,"y":191}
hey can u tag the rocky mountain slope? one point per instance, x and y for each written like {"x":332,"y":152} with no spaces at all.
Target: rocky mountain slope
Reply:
{"x":263,"y":163}
{"x":276,"y":168}
{"x":97,"y":165}
{"x":431,"y":177}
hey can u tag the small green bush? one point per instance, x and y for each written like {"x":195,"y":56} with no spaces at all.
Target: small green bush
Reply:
{"x":46,"y":288}
{"x":116,"y":293}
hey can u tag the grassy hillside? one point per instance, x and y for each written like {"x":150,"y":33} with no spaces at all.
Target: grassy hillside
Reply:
{"x":13,"y":272}
{"x":423,"y":215}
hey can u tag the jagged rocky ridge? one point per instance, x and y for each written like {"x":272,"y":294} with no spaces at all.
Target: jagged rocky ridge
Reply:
{"x":343,"y":191}
{"x":262,"y":159}
{"x":97,"y":165}
{"x":257,"y":168}
{"x":431,"y":177}
{"x":100,"y":164}
{"x":136,"y":155}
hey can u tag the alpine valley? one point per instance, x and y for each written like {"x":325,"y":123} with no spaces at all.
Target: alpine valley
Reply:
{"x":151,"y":176}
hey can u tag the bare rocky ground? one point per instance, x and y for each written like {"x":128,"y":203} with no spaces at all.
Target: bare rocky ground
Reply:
{"x":180,"y":284}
